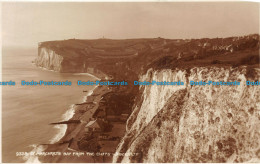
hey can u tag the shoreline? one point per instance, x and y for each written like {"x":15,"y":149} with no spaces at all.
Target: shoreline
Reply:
{"x":68,"y":143}
{"x":60,"y":137}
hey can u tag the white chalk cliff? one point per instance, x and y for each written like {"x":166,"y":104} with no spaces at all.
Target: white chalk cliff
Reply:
{"x":195,"y":123}
{"x":48,"y":59}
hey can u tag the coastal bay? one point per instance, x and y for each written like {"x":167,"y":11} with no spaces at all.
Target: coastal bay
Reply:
{"x":83,"y":114}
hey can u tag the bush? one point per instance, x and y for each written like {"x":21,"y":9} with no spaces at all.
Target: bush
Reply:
{"x":215,"y":62}
{"x":90,"y":146}
{"x":249,"y":60}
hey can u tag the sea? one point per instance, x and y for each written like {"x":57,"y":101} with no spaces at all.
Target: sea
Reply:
{"x":27,"y":111}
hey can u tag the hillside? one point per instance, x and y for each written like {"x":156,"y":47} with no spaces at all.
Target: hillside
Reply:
{"x":185,"y":123}
{"x":138,"y":55}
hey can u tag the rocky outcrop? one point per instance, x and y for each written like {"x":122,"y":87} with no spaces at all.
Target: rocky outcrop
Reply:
{"x":195,"y":123}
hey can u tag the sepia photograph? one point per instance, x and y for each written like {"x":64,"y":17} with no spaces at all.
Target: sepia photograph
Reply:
{"x":130,"y":82}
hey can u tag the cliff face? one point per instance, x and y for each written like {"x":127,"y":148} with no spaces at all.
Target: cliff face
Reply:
{"x":195,"y":123}
{"x":48,"y":59}
{"x":53,"y":60}
{"x":93,"y":56}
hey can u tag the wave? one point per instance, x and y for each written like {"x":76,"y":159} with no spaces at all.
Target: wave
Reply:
{"x":33,"y":158}
{"x":63,"y":127}
{"x":61,"y":132}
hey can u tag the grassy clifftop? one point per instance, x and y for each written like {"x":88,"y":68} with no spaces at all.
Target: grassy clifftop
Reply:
{"x":130,"y":57}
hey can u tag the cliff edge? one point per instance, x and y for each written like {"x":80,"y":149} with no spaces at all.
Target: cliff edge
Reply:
{"x":194,"y":123}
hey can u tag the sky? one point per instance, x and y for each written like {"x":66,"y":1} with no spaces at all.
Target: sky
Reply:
{"x":24,"y":24}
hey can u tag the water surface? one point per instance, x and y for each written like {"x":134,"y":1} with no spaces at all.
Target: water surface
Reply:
{"x":27,"y":110}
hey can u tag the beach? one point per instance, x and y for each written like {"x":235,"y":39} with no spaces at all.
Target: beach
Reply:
{"x":66,"y":150}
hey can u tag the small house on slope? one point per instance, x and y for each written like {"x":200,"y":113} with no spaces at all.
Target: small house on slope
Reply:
{"x":94,"y":126}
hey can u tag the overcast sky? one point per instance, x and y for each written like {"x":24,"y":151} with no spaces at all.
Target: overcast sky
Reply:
{"x":26,"y":24}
